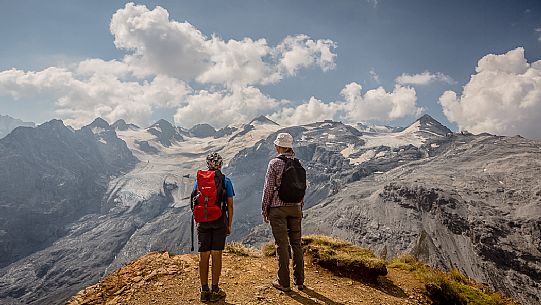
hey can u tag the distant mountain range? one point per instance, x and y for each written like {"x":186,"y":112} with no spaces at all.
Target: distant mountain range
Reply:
{"x":7,"y":124}
{"x":103,"y":195}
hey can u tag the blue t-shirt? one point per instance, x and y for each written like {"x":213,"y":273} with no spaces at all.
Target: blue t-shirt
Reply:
{"x":228,"y":187}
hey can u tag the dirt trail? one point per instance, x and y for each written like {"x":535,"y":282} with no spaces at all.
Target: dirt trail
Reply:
{"x":158,"y":278}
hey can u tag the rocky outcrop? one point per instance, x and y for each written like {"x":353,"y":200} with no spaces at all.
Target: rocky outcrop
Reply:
{"x":203,"y":131}
{"x":121,"y":125}
{"x":165,"y":132}
{"x":147,"y":147}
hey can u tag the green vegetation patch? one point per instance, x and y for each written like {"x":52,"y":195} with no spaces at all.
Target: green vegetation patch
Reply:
{"x":269,"y":249}
{"x":409,"y":263}
{"x":343,"y":257}
{"x":450,"y":288}
{"x":238,"y":249}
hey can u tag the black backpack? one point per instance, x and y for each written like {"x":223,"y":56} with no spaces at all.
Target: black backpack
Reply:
{"x":293,"y":186}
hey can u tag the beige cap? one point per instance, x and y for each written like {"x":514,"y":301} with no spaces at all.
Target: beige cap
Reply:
{"x":284,"y":139}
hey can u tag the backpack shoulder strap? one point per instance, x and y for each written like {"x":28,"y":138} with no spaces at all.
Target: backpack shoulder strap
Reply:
{"x":283,"y":158}
{"x":220,"y":179}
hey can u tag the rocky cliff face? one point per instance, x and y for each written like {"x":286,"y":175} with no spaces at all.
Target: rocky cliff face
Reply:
{"x":203,"y":131}
{"x":334,"y":154}
{"x":51,"y":176}
{"x":476,"y":207}
{"x":165,"y":132}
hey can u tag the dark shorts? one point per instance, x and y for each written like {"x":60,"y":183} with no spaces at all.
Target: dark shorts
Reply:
{"x":211,"y":235}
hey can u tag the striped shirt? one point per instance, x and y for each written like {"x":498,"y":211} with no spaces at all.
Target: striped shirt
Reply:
{"x":273,"y":180}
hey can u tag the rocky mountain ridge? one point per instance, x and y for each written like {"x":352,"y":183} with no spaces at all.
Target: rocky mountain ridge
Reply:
{"x":7,"y":124}
{"x":145,"y":209}
{"x":481,"y":217}
{"x":164,"y":278}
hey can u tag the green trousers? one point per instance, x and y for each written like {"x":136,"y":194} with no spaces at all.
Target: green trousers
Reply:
{"x":286,"y":228}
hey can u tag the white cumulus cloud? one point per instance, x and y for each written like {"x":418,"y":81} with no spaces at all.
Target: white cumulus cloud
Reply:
{"x":80,"y":99}
{"x":378,"y":104}
{"x":157,"y":44}
{"x":374,"y":104}
{"x":503,"y":97}
{"x":309,"y":112}
{"x":300,"y":51}
{"x":163,"y":60}
{"x":221,"y":108}
{"x":424,"y":78}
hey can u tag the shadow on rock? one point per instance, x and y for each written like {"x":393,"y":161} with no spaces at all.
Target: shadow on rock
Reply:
{"x":387,"y":286}
{"x":220,"y":302}
{"x":312,"y":295}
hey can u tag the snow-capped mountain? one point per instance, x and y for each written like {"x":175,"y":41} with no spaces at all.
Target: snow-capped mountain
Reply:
{"x":7,"y":124}
{"x":351,"y":194}
{"x":123,"y":126}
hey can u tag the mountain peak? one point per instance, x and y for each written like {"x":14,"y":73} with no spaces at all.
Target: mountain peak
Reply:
{"x":7,"y":124}
{"x":203,"y":130}
{"x":165,"y":132}
{"x":99,"y":122}
{"x":119,"y":122}
{"x":54,"y":123}
{"x":263,"y":120}
{"x":122,"y":125}
{"x":163,"y":123}
{"x":426,"y":118}
{"x":428,"y":124}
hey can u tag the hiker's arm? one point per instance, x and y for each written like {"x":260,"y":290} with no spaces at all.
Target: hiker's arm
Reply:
{"x":268,"y":191}
{"x":230,"y":213}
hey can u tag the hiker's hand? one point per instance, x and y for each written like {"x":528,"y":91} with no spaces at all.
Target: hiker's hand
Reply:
{"x":228,"y":232}
{"x":266,"y":218}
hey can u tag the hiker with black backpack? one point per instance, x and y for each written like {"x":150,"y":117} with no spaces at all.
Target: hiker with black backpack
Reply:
{"x":282,"y":203}
{"x":212,"y":206}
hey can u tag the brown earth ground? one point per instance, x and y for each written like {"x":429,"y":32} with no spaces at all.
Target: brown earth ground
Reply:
{"x":161,"y":278}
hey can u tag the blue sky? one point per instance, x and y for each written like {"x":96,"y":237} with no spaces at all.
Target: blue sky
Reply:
{"x":388,"y":38}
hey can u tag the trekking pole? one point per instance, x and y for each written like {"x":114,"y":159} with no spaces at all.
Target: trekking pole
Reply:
{"x":192,"y":232}
{"x":192,"y":205}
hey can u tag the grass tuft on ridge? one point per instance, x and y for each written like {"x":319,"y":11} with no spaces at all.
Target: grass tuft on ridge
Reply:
{"x":269,"y":249}
{"x":343,"y":257}
{"x":450,"y":288}
{"x":238,"y":249}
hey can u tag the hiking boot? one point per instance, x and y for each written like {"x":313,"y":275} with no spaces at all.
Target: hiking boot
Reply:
{"x":277,"y":285}
{"x":300,"y":287}
{"x":215,"y":296}
{"x":205,"y":296}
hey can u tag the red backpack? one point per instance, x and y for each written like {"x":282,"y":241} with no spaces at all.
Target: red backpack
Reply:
{"x":209,"y":197}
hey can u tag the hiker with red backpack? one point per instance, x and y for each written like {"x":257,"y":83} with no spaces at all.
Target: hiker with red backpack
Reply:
{"x":212,"y":206}
{"x":282,"y":203}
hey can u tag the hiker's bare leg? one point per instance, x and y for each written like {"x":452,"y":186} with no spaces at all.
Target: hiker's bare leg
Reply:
{"x":204,"y":267}
{"x":216,"y":266}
